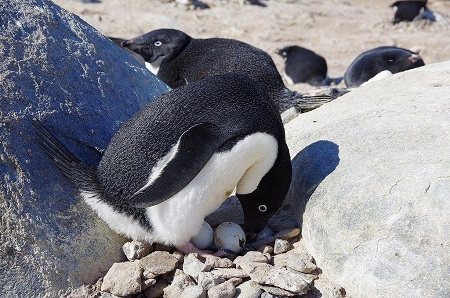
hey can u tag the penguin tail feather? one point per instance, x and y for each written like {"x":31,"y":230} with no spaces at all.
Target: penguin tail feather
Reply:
{"x":83,"y":176}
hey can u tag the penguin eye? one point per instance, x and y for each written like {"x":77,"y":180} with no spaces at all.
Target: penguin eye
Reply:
{"x":157,"y":43}
{"x":262,"y":208}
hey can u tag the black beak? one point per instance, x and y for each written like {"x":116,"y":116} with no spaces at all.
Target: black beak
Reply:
{"x":126,"y":43}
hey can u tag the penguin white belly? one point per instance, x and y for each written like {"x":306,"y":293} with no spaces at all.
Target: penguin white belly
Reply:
{"x":179,"y":218}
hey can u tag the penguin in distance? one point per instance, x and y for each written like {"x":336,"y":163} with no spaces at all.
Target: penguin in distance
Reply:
{"x":305,"y":66}
{"x":178,"y":59}
{"x":180,"y":157}
{"x":380,"y":62}
{"x":408,"y":11}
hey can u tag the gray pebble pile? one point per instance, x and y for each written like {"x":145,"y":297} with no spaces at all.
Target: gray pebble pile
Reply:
{"x":278,"y":267}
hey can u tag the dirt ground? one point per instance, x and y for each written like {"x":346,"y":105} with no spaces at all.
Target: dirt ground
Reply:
{"x":339,"y":30}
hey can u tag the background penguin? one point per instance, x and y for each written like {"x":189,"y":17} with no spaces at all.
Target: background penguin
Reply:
{"x":181,"y":156}
{"x":178,"y":59}
{"x":408,"y":10}
{"x":382,"y":59}
{"x":305,"y":66}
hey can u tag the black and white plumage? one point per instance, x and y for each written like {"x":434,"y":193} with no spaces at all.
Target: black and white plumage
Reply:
{"x":181,"y":156}
{"x":378,"y":63}
{"x":305,"y":66}
{"x":178,"y":59}
{"x":408,"y":11}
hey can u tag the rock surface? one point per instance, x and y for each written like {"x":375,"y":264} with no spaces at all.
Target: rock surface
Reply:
{"x":373,"y":169}
{"x":57,"y":68}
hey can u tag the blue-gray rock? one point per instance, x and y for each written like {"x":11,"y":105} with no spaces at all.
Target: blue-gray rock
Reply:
{"x":371,"y":185}
{"x":57,"y":68}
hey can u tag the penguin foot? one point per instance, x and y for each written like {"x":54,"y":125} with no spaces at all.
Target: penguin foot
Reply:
{"x":190,"y":248}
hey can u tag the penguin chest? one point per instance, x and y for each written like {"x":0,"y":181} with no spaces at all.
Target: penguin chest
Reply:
{"x":179,"y":218}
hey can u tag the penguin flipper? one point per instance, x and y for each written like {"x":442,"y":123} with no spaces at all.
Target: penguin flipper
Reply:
{"x":194,"y":148}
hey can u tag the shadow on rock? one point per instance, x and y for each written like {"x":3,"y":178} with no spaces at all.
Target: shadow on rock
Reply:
{"x":309,"y":168}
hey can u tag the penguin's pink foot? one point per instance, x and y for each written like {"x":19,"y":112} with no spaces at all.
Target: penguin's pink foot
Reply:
{"x":190,"y":248}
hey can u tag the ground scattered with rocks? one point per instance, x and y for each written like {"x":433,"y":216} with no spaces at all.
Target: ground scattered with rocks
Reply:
{"x":279,"y":267}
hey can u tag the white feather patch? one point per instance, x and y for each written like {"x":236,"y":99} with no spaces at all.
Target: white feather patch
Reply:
{"x":154,"y":67}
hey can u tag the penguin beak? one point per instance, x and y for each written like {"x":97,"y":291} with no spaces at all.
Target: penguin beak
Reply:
{"x":126,"y":43}
{"x":414,"y":58}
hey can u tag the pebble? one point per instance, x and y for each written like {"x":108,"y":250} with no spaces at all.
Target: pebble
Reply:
{"x":281,"y":246}
{"x":135,"y":250}
{"x":224,"y":290}
{"x":193,"y":265}
{"x":207,"y":280}
{"x":158,"y":263}
{"x":156,"y":290}
{"x":123,"y":279}
{"x":280,"y":277}
{"x":249,"y":289}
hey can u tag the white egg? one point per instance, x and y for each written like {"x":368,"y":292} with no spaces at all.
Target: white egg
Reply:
{"x":204,"y":238}
{"x":229,"y":236}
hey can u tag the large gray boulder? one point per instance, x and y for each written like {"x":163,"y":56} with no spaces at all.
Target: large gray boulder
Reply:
{"x":55,"y":67}
{"x":371,"y":185}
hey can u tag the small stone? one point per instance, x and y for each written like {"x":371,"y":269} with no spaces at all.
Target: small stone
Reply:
{"x":146,"y":283}
{"x":193,"y":265}
{"x":224,"y":290}
{"x":281,"y":246}
{"x":277,"y":292}
{"x":179,"y":283}
{"x":179,"y":256}
{"x":236,"y":281}
{"x":249,"y":267}
{"x":135,"y":250}
{"x":266,"y":249}
{"x":193,"y":292}
{"x":280,"y":277}
{"x":216,"y":262}
{"x":123,"y":279}
{"x":267,"y":295}
{"x":296,"y":260}
{"x":207,"y":280}
{"x":248,"y":289}
{"x":288,"y":234}
{"x":250,"y":257}
{"x":156,"y":290}
{"x":228,"y":273}
{"x":158,"y":263}
{"x":108,"y":295}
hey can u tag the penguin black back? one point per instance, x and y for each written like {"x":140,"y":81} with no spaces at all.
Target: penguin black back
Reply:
{"x":304,"y":66}
{"x":179,"y":158}
{"x":370,"y":63}
{"x":183,"y":59}
{"x":408,"y":10}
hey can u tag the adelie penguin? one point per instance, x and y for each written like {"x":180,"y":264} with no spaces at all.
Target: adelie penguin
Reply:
{"x":178,"y":59}
{"x":408,"y":11}
{"x":378,"y":63}
{"x":305,"y":66}
{"x":180,"y":157}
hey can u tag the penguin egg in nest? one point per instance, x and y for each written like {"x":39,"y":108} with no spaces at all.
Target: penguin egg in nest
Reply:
{"x":204,"y":238}
{"x":229,"y":236}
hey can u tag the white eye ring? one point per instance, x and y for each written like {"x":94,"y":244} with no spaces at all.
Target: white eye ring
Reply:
{"x":157,"y":43}
{"x":262,"y":208}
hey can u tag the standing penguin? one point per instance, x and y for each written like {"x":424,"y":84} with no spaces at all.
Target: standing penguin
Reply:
{"x":304,"y":66}
{"x":180,"y":157}
{"x":408,"y":10}
{"x":178,"y":59}
{"x":378,"y":62}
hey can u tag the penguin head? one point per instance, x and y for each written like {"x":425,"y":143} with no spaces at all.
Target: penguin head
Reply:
{"x":284,"y":52}
{"x":161,"y":43}
{"x":258,"y":209}
{"x":395,"y":59}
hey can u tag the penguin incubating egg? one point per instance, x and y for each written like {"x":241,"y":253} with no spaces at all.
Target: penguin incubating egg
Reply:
{"x":375,"y":63}
{"x":304,"y":66}
{"x":178,"y":59}
{"x":180,"y":157}
{"x":408,"y":10}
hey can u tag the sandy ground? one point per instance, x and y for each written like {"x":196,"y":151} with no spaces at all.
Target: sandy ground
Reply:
{"x":339,"y":30}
